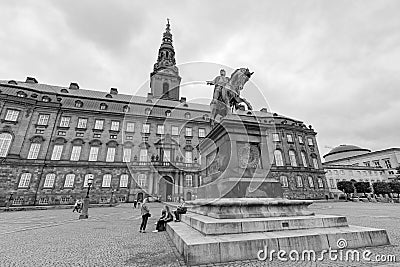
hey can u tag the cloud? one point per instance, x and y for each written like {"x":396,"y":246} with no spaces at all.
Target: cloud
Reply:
{"x":332,"y":64}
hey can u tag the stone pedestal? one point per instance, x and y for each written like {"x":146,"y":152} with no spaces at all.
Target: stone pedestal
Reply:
{"x":241,"y":211}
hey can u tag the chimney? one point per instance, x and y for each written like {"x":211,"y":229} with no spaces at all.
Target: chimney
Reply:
{"x":31,"y":80}
{"x":149,"y":96}
{"x":114,"y":91}
{"x":74,"y":86}
{"x":183,"y":99}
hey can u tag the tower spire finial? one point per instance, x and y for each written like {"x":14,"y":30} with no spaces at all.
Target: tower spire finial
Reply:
{"x":168,"y":25}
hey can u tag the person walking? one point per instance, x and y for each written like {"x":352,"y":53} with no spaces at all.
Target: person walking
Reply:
{"x":77,"y":206}
{"x":134,"y":203}
{"x":145,"y":211}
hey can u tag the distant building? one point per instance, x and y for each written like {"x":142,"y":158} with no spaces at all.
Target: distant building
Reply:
{"x":349,"y":162}
{"x":54,"y":138}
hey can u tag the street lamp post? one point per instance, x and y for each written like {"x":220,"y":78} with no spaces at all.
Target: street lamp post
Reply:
{"x":112,"y":196}
{"x":9,"y":202}
{"x":85,"y":210}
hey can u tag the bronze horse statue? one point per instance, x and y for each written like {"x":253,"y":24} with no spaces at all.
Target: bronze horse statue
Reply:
{"x":229,"y":98}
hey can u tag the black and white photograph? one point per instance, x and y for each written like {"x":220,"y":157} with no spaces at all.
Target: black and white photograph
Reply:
{"x":200,"y":133}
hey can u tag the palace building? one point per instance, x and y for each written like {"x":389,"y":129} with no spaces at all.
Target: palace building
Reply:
{"x":54,"y":138}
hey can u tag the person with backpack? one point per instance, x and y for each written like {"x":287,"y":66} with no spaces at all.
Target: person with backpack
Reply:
{"x":145,"y":211}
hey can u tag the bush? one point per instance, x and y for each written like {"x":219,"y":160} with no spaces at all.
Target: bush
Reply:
{"x":362,"y":187}
{"x":346,"y":187}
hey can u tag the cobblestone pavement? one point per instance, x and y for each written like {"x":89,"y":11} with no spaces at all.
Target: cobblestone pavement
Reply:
{"x":110,"y":237}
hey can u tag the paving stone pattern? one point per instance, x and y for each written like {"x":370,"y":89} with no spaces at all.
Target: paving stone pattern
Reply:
{"x":110,"y":237}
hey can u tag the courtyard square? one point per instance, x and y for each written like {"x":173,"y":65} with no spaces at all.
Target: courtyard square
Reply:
{"x":110,"y":237}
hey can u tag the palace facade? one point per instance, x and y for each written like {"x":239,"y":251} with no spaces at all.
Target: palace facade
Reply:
{"x":54,"y":138}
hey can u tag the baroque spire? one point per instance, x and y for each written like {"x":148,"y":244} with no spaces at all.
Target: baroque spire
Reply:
{"x":166,"y":53}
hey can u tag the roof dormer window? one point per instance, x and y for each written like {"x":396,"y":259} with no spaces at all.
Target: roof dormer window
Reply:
{"x":78,"y":104}
{"x":103,"y":106}
{"x":46,"y":99}
{"x":21,"y":94}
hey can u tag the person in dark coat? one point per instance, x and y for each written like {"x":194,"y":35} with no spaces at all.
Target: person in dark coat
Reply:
{"x":145,"y":211}
{"x":166,"y":216}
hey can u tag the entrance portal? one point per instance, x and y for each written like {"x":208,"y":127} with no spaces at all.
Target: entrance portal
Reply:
{"x":166,"y":186}
{"x":188,"y":196}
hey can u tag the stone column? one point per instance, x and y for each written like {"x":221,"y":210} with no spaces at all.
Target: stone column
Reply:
{"x":196,"y":180}
{"x":156,"y":178}
{"x":150,"y":188}
{"x":181,"y":183}
{"x":176,"y":187}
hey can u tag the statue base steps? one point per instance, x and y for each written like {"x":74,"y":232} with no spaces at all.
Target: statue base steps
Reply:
{"x":208,"y":235}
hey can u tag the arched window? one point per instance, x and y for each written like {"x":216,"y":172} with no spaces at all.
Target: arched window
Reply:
{"x":284,"y":181}
{"x":87,"y":176}
{"x":126,"y":109}
{"x":299,"y":181}
{"x":78,"y":104}
{"x":168,"y":113}
{"x":123,"y":182}
{"x":278,"y":158}
{"x":189,"y":180}
{"x":187,"y":115}
{"x":25,"y":180}
{"x":5,"y":142}
{"x":106,"y":180}
{"x":165,"y":88}
{"x":142,"y":179}
{"x":320,"y":183}
{"x":69,"y":180}
{"x":292,"y":157}
{"x":127,"y":154}
{"x":103,"y":106}
{"x":57,"y":151}
{"x":315,"y":162}
{"x":303,"y":158}
{"x":49,"y":181}
{"x":311,"y":182}
{"x":110,"y":154}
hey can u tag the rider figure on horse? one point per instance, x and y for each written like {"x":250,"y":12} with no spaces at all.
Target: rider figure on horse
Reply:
{"x":220,"y":83}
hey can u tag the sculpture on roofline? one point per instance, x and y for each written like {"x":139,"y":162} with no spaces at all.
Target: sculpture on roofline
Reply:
{"x":226,"y":96}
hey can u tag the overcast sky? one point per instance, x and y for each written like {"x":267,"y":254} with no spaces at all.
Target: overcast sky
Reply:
{"x":332,"y":64}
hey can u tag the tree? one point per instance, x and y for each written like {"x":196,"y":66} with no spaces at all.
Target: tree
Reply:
{"x":381,"y":188}
{"x":346,"y":187}
{"x":395,"y":187}
{"x":362,"y":187}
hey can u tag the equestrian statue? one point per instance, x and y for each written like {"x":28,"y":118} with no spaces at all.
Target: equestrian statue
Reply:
{"x":226,"y":97}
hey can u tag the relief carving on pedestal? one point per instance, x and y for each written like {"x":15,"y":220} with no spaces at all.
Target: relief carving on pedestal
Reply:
{"x":248,"y":155}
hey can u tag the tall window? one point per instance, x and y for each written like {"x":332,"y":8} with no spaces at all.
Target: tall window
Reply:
{"x":289,"y":138}
{"x":174,"y":130}
{"x":189,"y":180}
{"x":98,"y":124}
{"x":49,"y":180}
{"x":303,"y":158}
{"x":87,"y":176}
{"x":188,"y":157}
{"x":275,"y":137}
{"x":82,"y":123}
{"x":278,"y":158}
{"x":310,"y":141}
{"x":127,"y":154}
{"x":34,"y":150}
{"x":115,"y":126}
{"x":25,"y":180}
{"x":142,"y":180}
{"x":57,"y":151}
{"x":146,"y":128}
{"x":143,"y":155}
{"x":5,"y":142}
{"x":69,"y":180}
{"x":43,"y":119}
{"x":284,"y":181}
{"x":165,"y":88}
{"x":320,"y":183}
{"x":377,"y":164}
{"x":106,"y":180}
{"x":160,"y":129}
{"x":315,"y":163}
{"x":299,"y":181}
{"x":76,"y":153}
{"x":202,"y":132}
{"x":292,"y":157}
{"x":388,"y":164}
{"x":301,"y":140}
{"x":12,"y":115}
{"x":94,"y":151}
{"x":166,"y":155}
{"x":310,"y":182}
{"x":110,"y":154}
{"x":130,"y":127}
{"x":123,"y":181}
{"x":188,"y":131}
{"x":64,"y":122}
